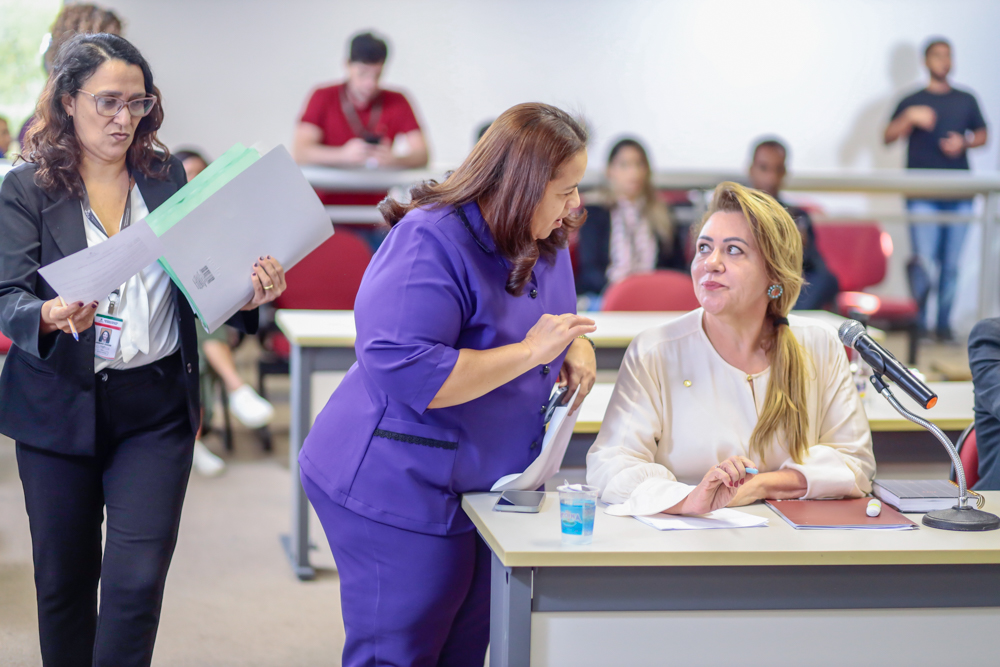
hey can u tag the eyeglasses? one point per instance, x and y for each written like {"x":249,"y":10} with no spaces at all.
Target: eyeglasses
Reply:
{"x":110,"y":106}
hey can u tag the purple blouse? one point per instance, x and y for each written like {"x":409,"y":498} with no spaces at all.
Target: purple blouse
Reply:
{"x":435,"y":286}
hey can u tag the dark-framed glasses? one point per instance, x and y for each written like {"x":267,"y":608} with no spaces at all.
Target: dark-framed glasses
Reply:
{"x":110,"y":106}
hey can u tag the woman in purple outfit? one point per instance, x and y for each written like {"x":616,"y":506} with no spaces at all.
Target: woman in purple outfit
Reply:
{"x":462,"y":316}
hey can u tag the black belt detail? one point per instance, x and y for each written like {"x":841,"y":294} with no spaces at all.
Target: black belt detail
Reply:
{"x":415,"y":439}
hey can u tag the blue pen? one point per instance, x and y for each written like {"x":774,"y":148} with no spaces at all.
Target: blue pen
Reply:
{"x":751,"y":471}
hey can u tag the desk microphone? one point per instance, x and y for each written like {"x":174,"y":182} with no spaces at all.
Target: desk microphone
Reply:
{"x":852,"y":334}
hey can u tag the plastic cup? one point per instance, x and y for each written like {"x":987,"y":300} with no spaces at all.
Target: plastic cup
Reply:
{"x":577,"y":506}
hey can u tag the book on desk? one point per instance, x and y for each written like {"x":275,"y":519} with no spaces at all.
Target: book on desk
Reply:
{"x":848,"y":514}
{"x":916,"y":495}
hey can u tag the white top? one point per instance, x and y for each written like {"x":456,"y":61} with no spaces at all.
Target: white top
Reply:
{"x":150,"y":331}
{"x":679,"y":408}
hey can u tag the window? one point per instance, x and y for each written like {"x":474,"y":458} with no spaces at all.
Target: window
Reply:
{"x":23,"y":26}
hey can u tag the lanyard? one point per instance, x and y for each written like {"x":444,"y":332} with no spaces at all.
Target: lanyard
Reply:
{"x":126,"y":220}
{"x":351,"y":114}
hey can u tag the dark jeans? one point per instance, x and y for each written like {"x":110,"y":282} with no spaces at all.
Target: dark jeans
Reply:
{"x":140,"y":473}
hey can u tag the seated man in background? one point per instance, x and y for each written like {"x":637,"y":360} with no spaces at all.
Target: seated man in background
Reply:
{"x":4,"y":137}
{"x":984,"y":360}
{"x":355,"y":123}
{"x":767,"y":172}
{"x":216,"y":361}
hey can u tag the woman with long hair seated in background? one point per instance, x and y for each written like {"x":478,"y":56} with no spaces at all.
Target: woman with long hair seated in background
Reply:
{"x":628,"y":229}
{"x":735,"y":384}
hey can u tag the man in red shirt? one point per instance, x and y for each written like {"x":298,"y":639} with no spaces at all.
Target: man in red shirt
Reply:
{"x":355,"y":123}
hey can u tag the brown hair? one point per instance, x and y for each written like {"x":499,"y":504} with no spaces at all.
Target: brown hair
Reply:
{"x":77,"y":19}
{"x":506,"y":174}
{"x":780,"y":244}
{"x":51,"y":142}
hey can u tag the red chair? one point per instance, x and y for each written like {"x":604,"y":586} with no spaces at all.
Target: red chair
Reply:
{"x":968,"y":452}
{"x":656,"y":290}
{"x":4,"y":344}
{"x":858,"y":255}
{"x":327,"y":279}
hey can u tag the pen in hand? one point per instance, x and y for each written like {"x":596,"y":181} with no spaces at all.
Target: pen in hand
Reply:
{"x":72,"y":328}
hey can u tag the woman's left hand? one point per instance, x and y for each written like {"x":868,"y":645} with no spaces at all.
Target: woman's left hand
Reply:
{"x":268,"y":280}
{"x":579,"y":369}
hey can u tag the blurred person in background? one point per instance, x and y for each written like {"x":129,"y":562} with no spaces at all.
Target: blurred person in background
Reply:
{"x":767,"y":173}
{"x":355,"y":123}
{"x":216,"y":362}
{"x":4,"y":137}
{"x":940,"y":124}
{"x":73,"y":20}
{"x":628,"y":228}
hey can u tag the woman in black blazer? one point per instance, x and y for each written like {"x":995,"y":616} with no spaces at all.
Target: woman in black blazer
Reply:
{"x":92,"y":433}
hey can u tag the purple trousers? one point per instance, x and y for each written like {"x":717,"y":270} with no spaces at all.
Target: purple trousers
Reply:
{"x":408,"y":599}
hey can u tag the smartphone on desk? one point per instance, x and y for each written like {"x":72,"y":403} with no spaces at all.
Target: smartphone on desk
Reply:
{"x":520,"y":501}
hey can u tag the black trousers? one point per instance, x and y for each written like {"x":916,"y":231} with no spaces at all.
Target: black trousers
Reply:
{"x":139,"y":475}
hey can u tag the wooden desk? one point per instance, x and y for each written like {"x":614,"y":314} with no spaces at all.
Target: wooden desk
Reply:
{"x":633,"y":567}
{"x":323,"y":340}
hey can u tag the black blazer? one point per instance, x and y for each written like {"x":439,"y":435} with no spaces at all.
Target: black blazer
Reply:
{"x":984,"y":360}
{"x":594,"y":252}
{"x":47,"y":388}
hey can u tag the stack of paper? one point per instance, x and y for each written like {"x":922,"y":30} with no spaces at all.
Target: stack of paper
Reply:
{"x":208,"y":235}
{"x":557,"y":437}
{"x":917,"y":495}
{"x":242,"y":207}
{"x":720,"y":518}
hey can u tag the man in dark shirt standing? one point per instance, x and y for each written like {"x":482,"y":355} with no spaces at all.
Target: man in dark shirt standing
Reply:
{"x":941,"y":123}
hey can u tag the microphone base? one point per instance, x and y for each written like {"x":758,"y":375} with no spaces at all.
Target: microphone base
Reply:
{"x":962,"y":518}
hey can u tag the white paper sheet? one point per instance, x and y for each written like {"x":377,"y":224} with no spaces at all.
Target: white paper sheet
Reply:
{"x":93,"y":273}
{"x":720,"y":518}
{"x":268,"y":209}
{"x":554,"y":445}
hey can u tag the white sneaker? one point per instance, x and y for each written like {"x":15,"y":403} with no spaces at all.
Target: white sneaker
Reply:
{"x":250,"y":408}
{"x":205,"y":462}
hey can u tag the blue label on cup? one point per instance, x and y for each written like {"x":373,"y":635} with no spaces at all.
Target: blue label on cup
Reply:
{"x":577,"y":517}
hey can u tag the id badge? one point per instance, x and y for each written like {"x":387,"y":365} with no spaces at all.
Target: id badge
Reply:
{"x":109,"y":334}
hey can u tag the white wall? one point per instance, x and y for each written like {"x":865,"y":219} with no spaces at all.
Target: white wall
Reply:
{"x":698,"y":80}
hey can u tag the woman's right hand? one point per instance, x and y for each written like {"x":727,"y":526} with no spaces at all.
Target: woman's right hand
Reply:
{"x":717,"y":488}
{"x":552,"y":334}
{"x":56,"y":317}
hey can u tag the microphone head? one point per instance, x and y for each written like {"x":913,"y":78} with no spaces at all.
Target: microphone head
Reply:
{"x":850,"y":331}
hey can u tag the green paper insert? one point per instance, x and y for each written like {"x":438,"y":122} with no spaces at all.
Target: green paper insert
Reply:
{"x":227,"y":167}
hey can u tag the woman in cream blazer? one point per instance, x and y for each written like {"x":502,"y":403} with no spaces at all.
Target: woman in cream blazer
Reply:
{"x":734,"y":385}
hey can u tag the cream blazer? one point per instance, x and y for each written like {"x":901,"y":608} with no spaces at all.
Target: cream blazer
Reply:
{"x":678,"y":409}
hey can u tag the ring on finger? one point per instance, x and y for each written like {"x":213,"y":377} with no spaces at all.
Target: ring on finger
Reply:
{"x":267,"y":287}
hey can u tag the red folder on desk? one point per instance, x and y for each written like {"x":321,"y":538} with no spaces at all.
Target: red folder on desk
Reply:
{"x":838,"y":515}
